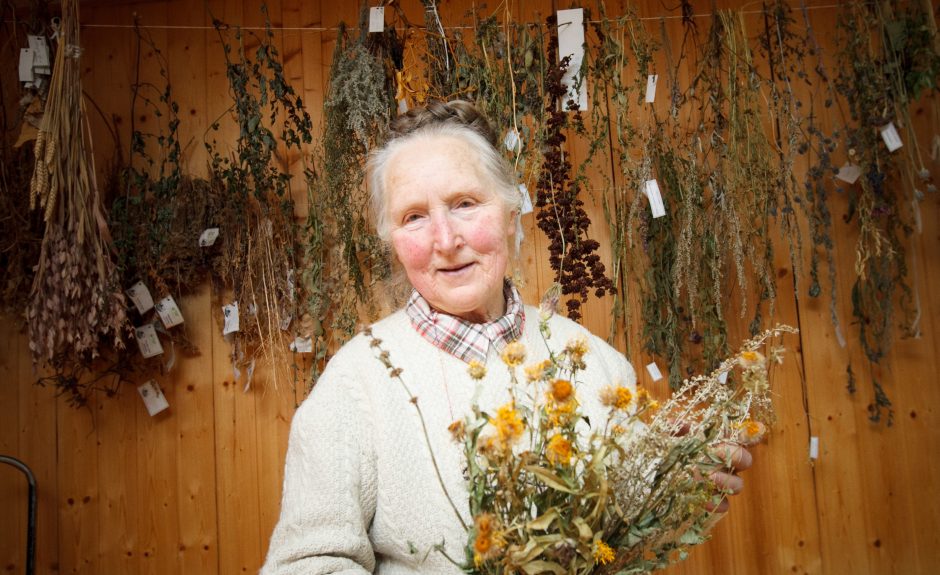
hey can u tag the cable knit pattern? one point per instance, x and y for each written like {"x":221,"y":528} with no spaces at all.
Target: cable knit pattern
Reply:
{"x":360,"y":492}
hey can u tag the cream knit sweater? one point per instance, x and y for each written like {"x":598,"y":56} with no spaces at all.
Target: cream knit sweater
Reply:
{"x":360,"y":492}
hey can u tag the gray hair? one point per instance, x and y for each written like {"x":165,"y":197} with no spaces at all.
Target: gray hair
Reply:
{"x":459,"y":119}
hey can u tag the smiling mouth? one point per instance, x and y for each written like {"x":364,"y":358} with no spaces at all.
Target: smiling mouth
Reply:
{"x":455,"y":269}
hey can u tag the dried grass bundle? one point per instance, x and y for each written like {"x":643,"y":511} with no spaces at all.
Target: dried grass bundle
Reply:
{"x":75,"y":299}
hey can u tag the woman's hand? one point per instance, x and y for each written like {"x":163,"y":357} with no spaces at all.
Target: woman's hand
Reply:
{"x":736,"y":458}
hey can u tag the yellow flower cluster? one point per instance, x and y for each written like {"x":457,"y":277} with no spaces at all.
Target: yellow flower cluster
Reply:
{"x":489,"y":540}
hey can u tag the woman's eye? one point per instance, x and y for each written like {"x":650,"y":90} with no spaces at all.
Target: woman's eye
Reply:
{"x":466,"y":203}
{"x":410,"y":218}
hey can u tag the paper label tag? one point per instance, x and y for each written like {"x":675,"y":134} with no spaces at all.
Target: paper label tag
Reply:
{"x":40,"y":50}
{"x":302,"y":345}
{"x":290,"y":285}
{"x":526,"y":207}
{"x":654,"y":372}
{"x":402,"y":106}
{"x":723,"y":377}
{"x":169,"y":312}
{"x":651,"y":88}
{"x":891,"y":137}
{"x":208,"y":237}
{"x":849,"y":173}
{"x":571,"y":43}
{"x":651,"y":189}
{"x":140,"y":295}
{"x":230,"y":312}
{"x":153,"y":397}
{"x":147,"y":340}
{"x":26,"y":65}
{"x":512,"y":141}
{"x":377,"y":19}
{"x":814,"y":447}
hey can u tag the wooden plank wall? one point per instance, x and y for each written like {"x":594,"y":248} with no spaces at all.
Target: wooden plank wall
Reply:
{"x":196,"y":489}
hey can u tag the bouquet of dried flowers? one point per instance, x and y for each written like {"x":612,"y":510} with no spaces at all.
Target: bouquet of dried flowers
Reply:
{"x":552,"y":492}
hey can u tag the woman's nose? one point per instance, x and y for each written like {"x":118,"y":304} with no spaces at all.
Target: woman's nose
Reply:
{"x":446,"y":236}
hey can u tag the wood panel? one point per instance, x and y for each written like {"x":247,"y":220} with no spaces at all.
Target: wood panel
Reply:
{"x":196,"y":489}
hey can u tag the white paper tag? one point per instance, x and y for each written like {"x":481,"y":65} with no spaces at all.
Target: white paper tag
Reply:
{"x":651,"y":189}
{"x":153,"y":397}
{"x":814,"y":447}
{"x":526,"y":207}
{"x":891,"y":137}
{"x":290,"y":285}
{"x":651,"y":88}
{"x":40,"y":50}
{"x":230,"y":312}
{"x":849,"y":173}
{"x":654,"y":372}
{"x":377,"y":19}
{"x":512,"y":141}
{"x":302,"y":345}
{"x":723,"y":377}
{"x":208,"y":237}
{"x":169,"y":312}
{"x":402,"y":106}
{"x":26,"y":65}
{"x":571,"y":43}
{"x":140,"y":295}
{"x":147,"y":340}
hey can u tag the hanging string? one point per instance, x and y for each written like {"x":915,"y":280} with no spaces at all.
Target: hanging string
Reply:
{"x":467,"y":27}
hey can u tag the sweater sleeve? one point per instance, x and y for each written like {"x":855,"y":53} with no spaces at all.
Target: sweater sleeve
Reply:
{"x":329,"y":485}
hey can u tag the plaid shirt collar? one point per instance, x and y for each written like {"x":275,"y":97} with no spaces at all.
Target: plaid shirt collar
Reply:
{"x":465,"y":340}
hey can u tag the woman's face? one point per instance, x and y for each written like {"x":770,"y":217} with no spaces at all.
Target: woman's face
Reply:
{"x":449,"y":228}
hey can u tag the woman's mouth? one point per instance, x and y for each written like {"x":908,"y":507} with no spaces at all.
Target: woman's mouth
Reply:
{"x":454,"y":270}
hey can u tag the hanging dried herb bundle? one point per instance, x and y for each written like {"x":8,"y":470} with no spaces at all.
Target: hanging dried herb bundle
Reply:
{"x":818,"y":145}
{"x":357,"y":107}
{"x":561,"y":215}
{"x":256,"y":218}
{"x":76,"y":305}
{"x":157,"y":213}
{"x":883,"y":216}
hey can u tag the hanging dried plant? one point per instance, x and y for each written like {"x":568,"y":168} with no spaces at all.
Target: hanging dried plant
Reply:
{"x":256,"y":218}
{"x":76,"y":305}
{"x":561,"y":215}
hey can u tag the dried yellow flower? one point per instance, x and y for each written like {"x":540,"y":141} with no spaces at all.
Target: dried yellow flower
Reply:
{"x":508,"y":424}
{"x":561,"y":390}
{"x":559,"y":414}
{"x":536,"y":371}
{"x":603,"y":554}
{"x":616,"y":397}
{"x":458,"y":430}
{"x":558,"y":450}
{"x":476,"y":369}
{"x":749,"y":359}
{"x":488,"y":541}
{"x":513,"y":354}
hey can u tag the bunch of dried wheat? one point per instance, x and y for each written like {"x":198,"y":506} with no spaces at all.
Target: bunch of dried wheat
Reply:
{"x":75,"y":299}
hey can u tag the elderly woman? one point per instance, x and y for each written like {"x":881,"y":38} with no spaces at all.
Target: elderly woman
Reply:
{"x":360,"y":489}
